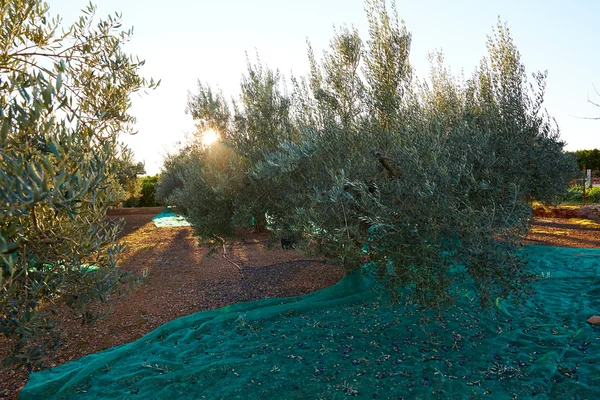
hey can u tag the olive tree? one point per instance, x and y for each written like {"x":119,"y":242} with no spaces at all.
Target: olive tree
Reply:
{"x":426,"y":182}
{"x":64,"y":99}
{"x":210,"y":182}
{"x":433,"y":183}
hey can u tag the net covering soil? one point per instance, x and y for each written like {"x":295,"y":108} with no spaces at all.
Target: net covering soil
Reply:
{"x":347,"y":340}
{"x":168,"y":218}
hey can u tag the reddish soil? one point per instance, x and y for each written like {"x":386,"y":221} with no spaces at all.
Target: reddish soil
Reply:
{"x":571,"y":232}
{"x":183,"y":278}
{"x":134,"y":211}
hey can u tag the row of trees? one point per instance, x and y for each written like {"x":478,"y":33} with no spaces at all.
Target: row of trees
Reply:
{"x":362,"y":161}
{"x":64,"y":100}
{"x":588,"y":158}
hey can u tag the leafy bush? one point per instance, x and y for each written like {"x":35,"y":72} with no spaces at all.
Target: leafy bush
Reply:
{"x":212,"y":181}
{"x":148,"y":191}
{"x":575,"y":194}
{"x":143,"y":193}
{"x":364,"y":162}
{"x":127,"y":176}
{"x":63,"y":100}
{"x":171,"y":176}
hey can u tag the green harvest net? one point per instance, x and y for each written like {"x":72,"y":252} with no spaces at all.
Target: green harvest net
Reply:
{"x":169,"y":218}
{"x":346,"y":340}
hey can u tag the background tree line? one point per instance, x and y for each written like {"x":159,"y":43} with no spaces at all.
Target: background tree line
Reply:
{"x":588,"y":158}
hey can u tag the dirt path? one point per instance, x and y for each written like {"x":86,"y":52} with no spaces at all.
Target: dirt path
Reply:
{"x":183,"y":279}
{"x":562,"y":232}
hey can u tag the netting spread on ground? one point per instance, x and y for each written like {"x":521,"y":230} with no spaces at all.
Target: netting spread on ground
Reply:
{"x":347,"y":341}
{"x":169,"y":218}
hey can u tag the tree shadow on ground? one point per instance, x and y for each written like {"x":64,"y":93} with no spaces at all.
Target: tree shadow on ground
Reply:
{"x":291,"y":278}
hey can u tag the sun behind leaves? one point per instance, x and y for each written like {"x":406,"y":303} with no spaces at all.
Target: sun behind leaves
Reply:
{"x":428,"y":182}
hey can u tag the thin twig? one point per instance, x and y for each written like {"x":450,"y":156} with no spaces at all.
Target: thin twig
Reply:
{"x":239,"y":268}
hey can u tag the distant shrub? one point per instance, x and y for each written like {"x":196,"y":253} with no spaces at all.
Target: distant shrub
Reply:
{"x":128,"y":171}
{"x":588,"y":158}
{"x":171,"y":177}
{"x":575,"y":194}
{"x":148,"y":191}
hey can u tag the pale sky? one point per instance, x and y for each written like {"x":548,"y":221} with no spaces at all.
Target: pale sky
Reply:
{"x":184,"y":41}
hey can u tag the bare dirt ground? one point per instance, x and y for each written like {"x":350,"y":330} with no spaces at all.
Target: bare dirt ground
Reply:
{"x":572,"y":232}
{"x":183,"y":279}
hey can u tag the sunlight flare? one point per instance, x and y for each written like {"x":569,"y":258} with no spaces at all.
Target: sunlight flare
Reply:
{"x":209,"y":137}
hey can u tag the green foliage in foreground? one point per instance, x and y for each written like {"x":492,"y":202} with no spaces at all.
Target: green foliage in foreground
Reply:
{"x":362,"y":161}
{"x":64,"y":98}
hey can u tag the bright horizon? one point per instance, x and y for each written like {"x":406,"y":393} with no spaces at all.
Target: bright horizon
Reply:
{"x":208,"y":40}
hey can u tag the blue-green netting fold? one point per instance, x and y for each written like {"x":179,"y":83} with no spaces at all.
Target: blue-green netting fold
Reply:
{"x":348,"y":340}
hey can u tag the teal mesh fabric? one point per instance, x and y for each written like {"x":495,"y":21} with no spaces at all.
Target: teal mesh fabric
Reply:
{"x":347,"y":340}
{"x":169,"y":218}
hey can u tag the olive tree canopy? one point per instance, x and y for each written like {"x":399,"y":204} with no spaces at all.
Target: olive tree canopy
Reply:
{"x":64,"y":99}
